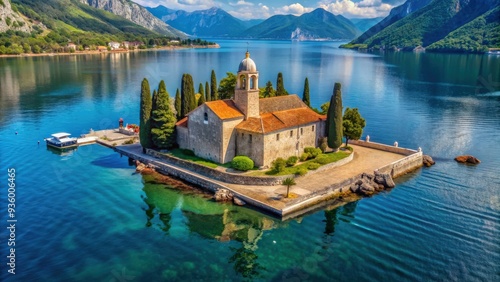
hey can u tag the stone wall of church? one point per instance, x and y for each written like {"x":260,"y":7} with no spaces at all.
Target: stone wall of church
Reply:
{"x":250,"y":145}
{"x":229,"y":139}
{"x":289,"y":142}
{"x":183,"y":137}
{"x":205,"y":136}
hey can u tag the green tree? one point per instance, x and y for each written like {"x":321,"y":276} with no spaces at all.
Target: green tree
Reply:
{"x":305,"y":95}
{"x":353,"y":124}
{"x":202,"y":94}
{"x":334,"y":118}
{"x":145,"y":116}
{"x":163,"y":120}
{"x":280,"y":88}
{"x":188,"y":100}
{"x":268,"y":91}
{"x":213,"y":87}
{"x":227,"y":86}
{"x":207,"y":92}
{"x":288,"y":182}
{"x":177,"y":104}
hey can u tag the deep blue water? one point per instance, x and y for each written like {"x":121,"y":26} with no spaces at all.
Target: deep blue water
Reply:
{"x":86,"y":216}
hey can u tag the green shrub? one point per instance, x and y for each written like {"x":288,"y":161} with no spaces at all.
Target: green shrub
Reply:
{"x":278,"y":165}
{"x":242,"y":163}
{"x":322,"y":159}
{"x":313,"y":166}
{"x":291,"y":161}
{"x":301,"y":171}
{"x":128,"y":142}
{"x":304,"y":157}
{"x":323,"y":147}
{"x":349,"y":148}
{"x":187,"y":152}
{"x":313,"y":152}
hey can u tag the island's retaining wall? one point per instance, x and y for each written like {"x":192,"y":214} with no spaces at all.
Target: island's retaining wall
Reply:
{"x":236,"y":178}
{"x":204,"y":182}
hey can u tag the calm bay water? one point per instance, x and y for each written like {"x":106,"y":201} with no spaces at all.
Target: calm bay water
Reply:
{"x":85,"y":215}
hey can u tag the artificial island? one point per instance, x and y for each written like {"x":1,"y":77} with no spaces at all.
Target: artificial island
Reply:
{"x":257,"y":148}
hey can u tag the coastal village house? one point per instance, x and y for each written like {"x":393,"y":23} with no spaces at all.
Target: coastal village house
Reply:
{"x":114,"y":45}
{"x":262,"y":129}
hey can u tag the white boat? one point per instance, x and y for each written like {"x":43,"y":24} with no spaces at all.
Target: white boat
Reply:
{"x":61,"y":140}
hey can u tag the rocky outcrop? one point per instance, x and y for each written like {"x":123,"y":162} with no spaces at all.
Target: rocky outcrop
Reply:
{"x":223,"y":195}
{"x":143,"y":169}
{"x":10,"y":20}
{"x":467,"y":159}
{"x":135,"y":13}
{"x":427,"y":160}
{"x":368,"y":184}
{"x":238,"y":201}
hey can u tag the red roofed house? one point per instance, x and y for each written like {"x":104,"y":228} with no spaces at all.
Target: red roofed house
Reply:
{"x":262,"y":129}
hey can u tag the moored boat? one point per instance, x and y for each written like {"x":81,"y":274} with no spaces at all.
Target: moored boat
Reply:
{"x":61,"y":140}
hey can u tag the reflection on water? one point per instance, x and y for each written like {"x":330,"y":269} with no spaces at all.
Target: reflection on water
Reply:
{"x":440,"y":223}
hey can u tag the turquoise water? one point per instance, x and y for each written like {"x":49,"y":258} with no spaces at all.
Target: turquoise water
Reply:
{"x":86,"y":215}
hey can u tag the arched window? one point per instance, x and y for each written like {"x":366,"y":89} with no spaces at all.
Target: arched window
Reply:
{"x":252,"y":82}
{"x":243,"y":82}
{"x":205,"y":118}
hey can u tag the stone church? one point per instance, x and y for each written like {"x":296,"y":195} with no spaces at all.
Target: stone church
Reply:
{"x":262,"y":129}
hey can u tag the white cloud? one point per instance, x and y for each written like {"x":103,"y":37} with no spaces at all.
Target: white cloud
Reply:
{"x":294,"y":9}
{"x":247,"y":12}
{"x":241,"y":3}
{"x":363,"y":9}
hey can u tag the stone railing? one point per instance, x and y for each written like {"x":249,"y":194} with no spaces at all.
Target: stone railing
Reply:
{"x":383,"y":147}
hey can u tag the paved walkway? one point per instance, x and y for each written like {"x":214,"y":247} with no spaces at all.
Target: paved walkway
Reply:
{"x":365,"y":160}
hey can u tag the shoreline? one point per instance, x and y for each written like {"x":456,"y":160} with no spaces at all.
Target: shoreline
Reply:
{"x":96,"y":52}
{"x":312,"y":191}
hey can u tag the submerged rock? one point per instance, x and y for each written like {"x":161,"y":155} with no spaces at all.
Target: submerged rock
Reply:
{"x":467,"y":159}
{"x":223,"y":195}
{"x":238,"y":201}
{"x":427,"y":160}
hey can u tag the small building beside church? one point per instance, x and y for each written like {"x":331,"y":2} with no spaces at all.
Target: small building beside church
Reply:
{"x":262,"y":129}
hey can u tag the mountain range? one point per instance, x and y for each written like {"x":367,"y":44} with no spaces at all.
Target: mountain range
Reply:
{"x":439,"y":25}
{"x":215,"y":22}
{"x":135,"y":13}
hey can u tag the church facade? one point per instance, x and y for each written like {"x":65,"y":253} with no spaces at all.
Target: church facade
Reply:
{"x":262,"y":129}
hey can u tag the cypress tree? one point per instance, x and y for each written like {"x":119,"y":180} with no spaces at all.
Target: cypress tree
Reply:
{"x":213,"y":87}
{"x":163,"y":120}
{"x":177,"y":104}
{"x":188,"y":100}
{"x":334,"y":119}
{"x":280,"y":89}
{"x":154,"y":103}
{"x":207,"y":92}
{"x":305,"y":96}
{"x":201,"y":100}
{"x":145,"y":116}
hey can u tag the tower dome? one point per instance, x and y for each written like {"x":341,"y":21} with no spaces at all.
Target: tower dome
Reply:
{"x":247,"y":64}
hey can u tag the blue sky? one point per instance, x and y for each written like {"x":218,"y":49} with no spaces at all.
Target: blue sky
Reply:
{"x":258,"y":9}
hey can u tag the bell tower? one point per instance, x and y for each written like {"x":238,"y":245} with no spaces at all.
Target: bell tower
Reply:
{"x":246,"y":94}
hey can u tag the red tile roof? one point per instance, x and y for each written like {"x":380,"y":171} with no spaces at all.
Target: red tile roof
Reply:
{"x":224,"y":109}
{"x":280,"y":120}
{"x":183,"y":122}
